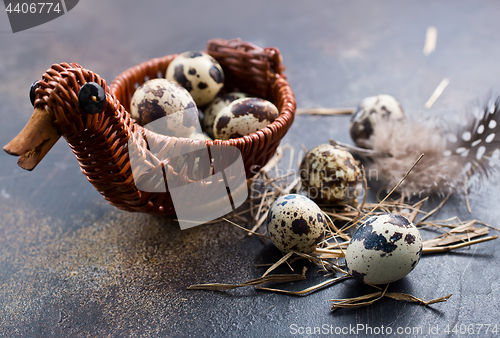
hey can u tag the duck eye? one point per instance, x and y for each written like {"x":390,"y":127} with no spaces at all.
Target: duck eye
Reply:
{"x":34,"y":86}
{"x":92,"y":98}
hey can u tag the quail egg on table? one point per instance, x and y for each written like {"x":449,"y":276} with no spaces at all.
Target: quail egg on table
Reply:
{"x":295,"y":223}
{"x":384,"y":249}
{"x":215,"y":107}
{"x":164,"y":107}
{"x":199,"y":73}
{"x":331,"y":175}
{"x":371,"y":110}
{"x":243,"y":117}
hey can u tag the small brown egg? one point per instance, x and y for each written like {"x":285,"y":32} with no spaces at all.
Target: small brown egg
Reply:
{"x":215,"y":107}
{"x":331,"y":175}
{"x":295,"y":223}
{"x":371,"y":110}
{"x":243,"y":117}
{"x":199,"y":73}
{"x":164,"y":107}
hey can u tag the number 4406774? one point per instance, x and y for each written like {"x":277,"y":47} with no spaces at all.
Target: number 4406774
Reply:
{"x":41,"y":7}
{"x":472,"y":329}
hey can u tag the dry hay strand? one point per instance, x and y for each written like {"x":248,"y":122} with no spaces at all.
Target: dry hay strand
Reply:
{"x":253,"y":282}
{"x":324,"y":111}
{"x":371,"y":298}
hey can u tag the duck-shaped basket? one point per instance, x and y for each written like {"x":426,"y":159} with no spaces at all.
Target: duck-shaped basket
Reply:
{"x":76,"y":103}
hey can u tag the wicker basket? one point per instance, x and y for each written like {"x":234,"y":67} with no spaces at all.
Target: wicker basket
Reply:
{"x":118,"y":156}
{"x":247,"y":68}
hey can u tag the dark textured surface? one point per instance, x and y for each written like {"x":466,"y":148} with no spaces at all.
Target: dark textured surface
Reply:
{"x":72,"y":265}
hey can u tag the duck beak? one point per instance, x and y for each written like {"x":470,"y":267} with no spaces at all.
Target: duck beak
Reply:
{"x":35,"y":140}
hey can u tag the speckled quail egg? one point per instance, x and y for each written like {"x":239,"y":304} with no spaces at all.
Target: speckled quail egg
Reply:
{"x":295,"y":223}
{"x":159,"y":98}
{"x":199,"y":73}
{"x":384,"y":249}
{"x":215,"y":107}
{"x":368,"y":112}
{"x":243,"y":117}
{"x":331,"y":175}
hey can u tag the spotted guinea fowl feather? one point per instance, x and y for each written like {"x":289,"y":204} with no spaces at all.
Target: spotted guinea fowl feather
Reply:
{"x":456,"y":158}
{"x":477,"y":142}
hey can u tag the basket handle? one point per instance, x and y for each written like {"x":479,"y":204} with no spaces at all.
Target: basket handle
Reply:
{"x":271,"y":54}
